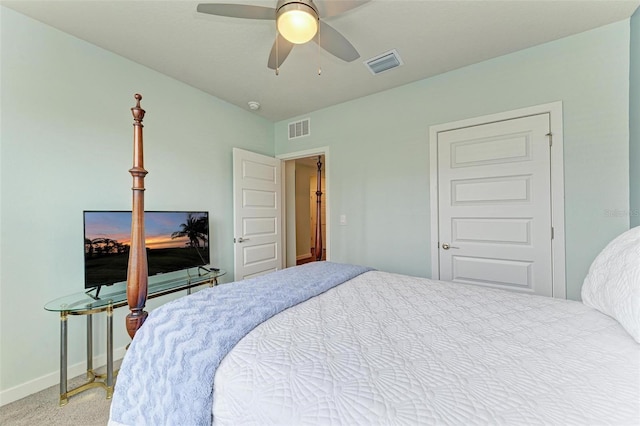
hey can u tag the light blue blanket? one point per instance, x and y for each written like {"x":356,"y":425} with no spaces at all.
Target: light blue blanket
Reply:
{"x":166,"y":377}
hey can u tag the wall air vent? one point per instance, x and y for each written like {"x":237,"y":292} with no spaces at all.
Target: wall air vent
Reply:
{"x":299,"y":129}
{"x":384,"y":62}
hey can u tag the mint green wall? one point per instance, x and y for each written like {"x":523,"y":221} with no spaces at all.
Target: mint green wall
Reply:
{"x":66,"y":146}
{"x":634,"y":121}
{"x":380,"y":157}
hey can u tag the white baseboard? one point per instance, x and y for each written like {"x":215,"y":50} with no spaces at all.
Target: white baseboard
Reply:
{"x":36,"y":385}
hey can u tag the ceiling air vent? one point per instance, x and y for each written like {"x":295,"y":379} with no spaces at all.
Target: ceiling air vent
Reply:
{"x":299,"y":129}
{"x":384,"y":62}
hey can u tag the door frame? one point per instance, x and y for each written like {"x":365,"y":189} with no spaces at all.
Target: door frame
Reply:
{"x":554,"y":109}
{"x":323,"y":150}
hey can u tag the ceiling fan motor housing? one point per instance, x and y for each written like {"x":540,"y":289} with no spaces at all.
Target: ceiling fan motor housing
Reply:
{"x":284,"y":5}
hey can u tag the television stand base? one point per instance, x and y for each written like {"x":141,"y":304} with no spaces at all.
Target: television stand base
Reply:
{"x":97,"y":289}
{"x":207,"y":269}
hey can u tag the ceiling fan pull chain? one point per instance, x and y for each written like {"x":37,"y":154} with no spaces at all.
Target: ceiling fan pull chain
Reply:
{"x":277,"y":59}
{"x":319,"y":57}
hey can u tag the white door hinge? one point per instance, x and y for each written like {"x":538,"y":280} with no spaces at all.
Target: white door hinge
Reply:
{"x":550,"y":138}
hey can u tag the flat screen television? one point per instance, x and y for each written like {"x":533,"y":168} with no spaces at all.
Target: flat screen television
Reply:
{"x":175,"y":240}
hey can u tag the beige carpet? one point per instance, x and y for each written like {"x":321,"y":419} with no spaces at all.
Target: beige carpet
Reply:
{"x":89,"y":408}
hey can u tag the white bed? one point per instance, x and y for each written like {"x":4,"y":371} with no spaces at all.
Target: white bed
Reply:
{"x":390,"y":349}
{"x":337,"y":344}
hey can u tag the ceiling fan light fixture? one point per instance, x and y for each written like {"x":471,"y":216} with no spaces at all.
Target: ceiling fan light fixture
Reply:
{"x":297,"y":21}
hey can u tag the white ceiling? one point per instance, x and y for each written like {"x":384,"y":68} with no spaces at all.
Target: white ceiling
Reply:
{"x":227,"y":57}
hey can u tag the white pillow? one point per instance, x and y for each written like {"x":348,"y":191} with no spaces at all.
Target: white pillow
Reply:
{"x":612,"y":285}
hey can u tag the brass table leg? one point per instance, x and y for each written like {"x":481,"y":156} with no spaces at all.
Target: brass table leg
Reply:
{"x":89,"y":346}
{"x":63,"y":359}
{"x":109,"y":351}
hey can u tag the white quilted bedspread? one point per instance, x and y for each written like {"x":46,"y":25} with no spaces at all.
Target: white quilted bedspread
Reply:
{"x":392,"y":349}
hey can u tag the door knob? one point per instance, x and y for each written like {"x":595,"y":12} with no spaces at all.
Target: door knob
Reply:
{"x":242,"y":240}
{"x":446,"y":246}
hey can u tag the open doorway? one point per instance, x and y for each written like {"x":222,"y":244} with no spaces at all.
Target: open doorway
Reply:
{"x":309,"y":204}
{"x":306,"y":237}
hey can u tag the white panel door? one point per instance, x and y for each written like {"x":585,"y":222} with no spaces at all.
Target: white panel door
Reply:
{"x":494,"y":190}
{"x":257,"y":192}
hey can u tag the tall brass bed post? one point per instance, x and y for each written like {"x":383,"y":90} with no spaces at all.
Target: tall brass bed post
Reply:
{"x":137,"y":272}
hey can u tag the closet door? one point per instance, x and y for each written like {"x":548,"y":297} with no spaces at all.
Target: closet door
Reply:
{"x":494,"y":190}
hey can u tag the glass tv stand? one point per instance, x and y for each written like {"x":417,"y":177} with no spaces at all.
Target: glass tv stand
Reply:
{"x":111,"y":298}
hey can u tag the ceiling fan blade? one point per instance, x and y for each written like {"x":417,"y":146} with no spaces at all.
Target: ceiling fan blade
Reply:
{"x":237,"y":10}
{"x":283,"y":50}
{"x":329,"y":8}
{"x":335,"y":43}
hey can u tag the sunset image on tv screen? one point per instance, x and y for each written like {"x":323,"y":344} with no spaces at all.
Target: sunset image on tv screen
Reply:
{"x":174,"y":241}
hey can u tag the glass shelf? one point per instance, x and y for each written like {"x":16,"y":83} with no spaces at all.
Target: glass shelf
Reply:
{"x":116,"y":295}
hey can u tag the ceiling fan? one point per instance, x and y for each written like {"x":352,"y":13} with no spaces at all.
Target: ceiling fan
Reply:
{"x":297,"y":22}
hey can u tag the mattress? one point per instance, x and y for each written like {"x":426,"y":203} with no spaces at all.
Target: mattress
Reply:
{"x":391,"y":349}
